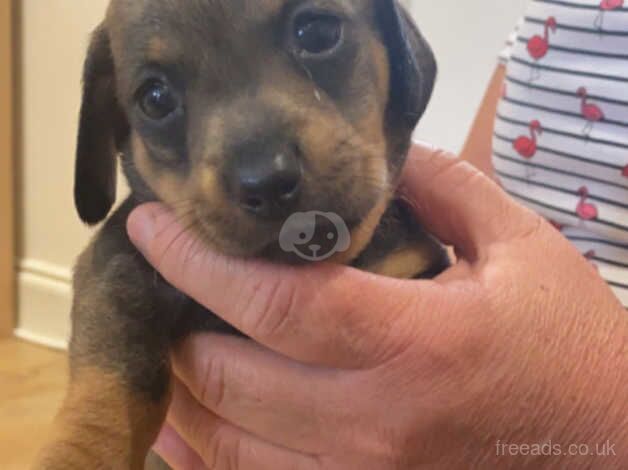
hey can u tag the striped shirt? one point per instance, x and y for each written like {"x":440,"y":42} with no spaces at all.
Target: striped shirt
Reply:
{"x":561,"y":133}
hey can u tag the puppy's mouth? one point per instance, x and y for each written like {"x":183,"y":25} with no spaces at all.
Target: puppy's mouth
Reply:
{"x":315,"y":226}
{"x":314,"y":239}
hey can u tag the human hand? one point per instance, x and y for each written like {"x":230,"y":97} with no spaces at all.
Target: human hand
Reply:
{"x":519,"y":342}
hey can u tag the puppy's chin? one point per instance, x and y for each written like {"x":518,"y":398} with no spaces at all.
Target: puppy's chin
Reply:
{"x":276,"y":254}
{"x":262,"y":241}
{"x":237,"y":243}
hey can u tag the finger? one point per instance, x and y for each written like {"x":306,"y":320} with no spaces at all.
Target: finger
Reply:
{"x":175,"y":451}
{"x":459,"y":204}
{"x":308,"y":313}
{"x":224,"y":446}
{"x":266,"y":394}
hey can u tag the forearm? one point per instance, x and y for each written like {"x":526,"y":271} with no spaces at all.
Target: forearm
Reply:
{"x":478,"y":147}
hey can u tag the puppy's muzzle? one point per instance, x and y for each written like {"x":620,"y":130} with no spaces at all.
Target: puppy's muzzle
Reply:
{"x":264,"y":179}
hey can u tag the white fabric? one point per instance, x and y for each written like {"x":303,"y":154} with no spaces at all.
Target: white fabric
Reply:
{"x":573,"y":167}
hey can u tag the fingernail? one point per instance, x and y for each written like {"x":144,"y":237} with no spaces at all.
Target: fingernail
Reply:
{"x":426,"y":149}
{"x":141,"y":226}
{"x":160,"y":444}
{"x":423,"y":144}
{"x":165,"y":443}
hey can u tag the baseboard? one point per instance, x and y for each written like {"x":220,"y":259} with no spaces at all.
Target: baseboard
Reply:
{"x":41,"y":340}
{"x":44,"y":302}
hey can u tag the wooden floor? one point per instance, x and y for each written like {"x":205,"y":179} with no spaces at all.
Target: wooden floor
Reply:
{"x":32,"y":380}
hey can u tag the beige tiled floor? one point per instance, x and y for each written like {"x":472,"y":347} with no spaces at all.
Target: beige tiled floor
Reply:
{"x":32,"y":380}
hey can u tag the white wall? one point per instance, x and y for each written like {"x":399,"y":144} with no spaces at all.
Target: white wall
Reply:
{"x":54,"y":35}
{"x":466,"y":36}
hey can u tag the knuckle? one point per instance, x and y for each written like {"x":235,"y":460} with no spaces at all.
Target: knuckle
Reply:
{"x":532,"y":225}
{"x":197,"y":427}
{"x":214,"y":383}
{"x":446,"y":156}
{"x":222,"y":452}
{"x":449,"y":163}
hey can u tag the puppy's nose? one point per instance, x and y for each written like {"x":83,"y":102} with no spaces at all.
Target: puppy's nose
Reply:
{"x":267,"y":186}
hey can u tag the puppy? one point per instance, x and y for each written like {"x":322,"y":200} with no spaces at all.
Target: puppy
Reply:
{"x":241,"y":116}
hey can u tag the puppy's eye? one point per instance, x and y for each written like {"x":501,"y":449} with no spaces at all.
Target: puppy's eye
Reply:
{"x":157,"y":100}
{"x":316,"y":33}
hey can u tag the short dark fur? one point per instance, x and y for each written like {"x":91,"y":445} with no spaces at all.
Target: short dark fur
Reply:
{"x":125,"y":316}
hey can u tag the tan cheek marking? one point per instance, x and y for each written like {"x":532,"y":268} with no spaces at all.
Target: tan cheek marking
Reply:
{"x":192,"y":199}
{"x":210,"y":187}
{"x":169,"y":187}
{"x":378,"y":170}
{"x":319,"y":127}
{"x":382,"y":65}
{"x":321,"y":132}
{"x":361,"y":236}
{"x":207,"y":184}
{"x":407,"y":263}
{"x":371,"y":126}
{"x":213,"y":137}
{"x":321,"y":136}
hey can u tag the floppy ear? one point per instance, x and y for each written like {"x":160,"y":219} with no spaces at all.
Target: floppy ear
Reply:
{"x":102,"y":128}
{"x":412,"y":71}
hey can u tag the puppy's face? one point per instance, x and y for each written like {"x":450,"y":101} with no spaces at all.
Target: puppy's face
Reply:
{"x":241,"y":113}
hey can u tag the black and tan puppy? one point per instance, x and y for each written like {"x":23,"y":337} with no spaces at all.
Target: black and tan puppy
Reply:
{"x":238,"y":114}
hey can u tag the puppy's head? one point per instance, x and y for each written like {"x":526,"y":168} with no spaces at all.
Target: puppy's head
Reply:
{"x":241,"y":113}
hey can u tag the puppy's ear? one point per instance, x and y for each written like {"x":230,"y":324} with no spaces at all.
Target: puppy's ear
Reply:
{"x":102,"y":128}
{"x":412,"y":69}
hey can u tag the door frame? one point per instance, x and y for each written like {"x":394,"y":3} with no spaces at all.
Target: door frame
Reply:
{"x":7,"y":169}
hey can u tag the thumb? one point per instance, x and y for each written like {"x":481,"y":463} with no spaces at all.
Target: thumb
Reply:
{"x":459,"y":204}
